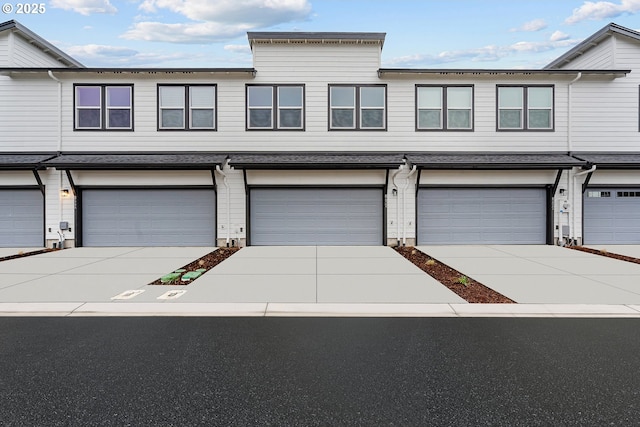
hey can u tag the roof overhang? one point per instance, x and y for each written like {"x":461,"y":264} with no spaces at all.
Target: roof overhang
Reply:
{"x":296,"y":37}
{"x":24,"y":161}
{"x":311,"y":160}
{"x":128,"y":71}
{"x":494,"y":161}
{"x":611,"y":160}
{"x":390,"y":72}
{"x":138,"y":161}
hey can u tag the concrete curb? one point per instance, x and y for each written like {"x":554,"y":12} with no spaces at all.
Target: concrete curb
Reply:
{"x":316,"y":310}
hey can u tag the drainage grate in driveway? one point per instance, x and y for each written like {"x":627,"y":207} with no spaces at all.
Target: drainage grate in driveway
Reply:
{"x":172,"y":294}
{"x":128,"y":294}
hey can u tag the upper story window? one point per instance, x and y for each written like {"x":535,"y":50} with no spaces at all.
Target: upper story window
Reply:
{"x":357,"y":107}
{"x":275,"y":107}
{"x":103,"y":107}
{"x":186,"y":107}
{"x":525,"y":107}
{"x":444,"y":108}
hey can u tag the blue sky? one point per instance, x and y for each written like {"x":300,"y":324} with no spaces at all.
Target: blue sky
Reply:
{"x":420,"y":33}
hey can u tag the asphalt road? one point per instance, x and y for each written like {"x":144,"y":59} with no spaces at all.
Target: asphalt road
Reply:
{"x":315,"y":371}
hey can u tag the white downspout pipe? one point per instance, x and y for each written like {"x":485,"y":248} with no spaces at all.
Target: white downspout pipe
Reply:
{"x":397,"y":188}
{"x":226,"y":187}
{"x":573,"y":198}
{"x":59,"y":137}
{"x":569,"y":115}
{"x":404,"y":204}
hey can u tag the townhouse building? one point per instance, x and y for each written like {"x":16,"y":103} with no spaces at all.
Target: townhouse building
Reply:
{"x":318,"y":144}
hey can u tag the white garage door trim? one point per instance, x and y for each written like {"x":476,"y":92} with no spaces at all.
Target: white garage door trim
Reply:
{"x":611,"y":215}
{"x":508,"y":215}
{"x":315,"y":215}
{"x":148,"y":216}
{"x":21,"y":217}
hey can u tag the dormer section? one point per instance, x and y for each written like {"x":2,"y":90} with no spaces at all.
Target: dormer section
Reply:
{"x":21,"y":48}
{"x":279,"y":56}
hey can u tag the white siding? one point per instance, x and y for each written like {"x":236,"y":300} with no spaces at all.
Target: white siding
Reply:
{"x":29,"y":114}
{"x":233,"y":226}
{"x":600,"y":56}
{"x":27,"y":55}
{"x":4,"y":50}
{"x":57,"y":207}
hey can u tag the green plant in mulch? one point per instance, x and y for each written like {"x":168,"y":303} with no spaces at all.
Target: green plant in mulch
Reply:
{"x":463,"y":280}
{"x":173,"y":277}
{"x":190,"y":275}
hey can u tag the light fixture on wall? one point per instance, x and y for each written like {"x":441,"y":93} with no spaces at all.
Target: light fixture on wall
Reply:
{"x":64,"y":193}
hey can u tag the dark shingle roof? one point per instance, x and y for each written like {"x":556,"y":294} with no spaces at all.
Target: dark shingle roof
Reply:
{"x":307,"y":160}
{"x":470,"y":160}
{"x":106,"y":161}
{"x":23,"y":161}
{"x":611,"y":160}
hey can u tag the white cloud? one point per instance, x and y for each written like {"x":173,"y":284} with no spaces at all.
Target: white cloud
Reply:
{"x":489,"y":53}
{"x":117,"y":56}
{"x":85,"y":7}
{"x":596,"y":11}
{"x":558,"y":36}
{"x":238,"y":48}
{"x":215,"y":20}
{"x":531,"y":26}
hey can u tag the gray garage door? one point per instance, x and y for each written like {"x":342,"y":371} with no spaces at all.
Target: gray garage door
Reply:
{"x":482,"y":216}
{"x":612,"y":216}
{"x":316,"y":216}
{"x":149,"y":217}
{"x":21,"y":218}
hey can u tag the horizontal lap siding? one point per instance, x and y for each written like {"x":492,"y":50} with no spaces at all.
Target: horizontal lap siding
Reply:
{"x":27,"y":55}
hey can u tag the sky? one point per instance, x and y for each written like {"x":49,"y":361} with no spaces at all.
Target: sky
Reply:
{"x":419,"y":33}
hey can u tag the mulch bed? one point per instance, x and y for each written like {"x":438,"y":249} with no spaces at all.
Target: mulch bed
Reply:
{"x":207,"y":262}
{"x":472,"y":291}
{"x":26,"y":254}
{"x":604,"y":252}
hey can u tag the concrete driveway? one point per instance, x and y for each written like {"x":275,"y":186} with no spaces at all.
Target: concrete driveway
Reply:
{"x":88,"y":274}
{"x":305,"y":274}
{"x":545,"y":274}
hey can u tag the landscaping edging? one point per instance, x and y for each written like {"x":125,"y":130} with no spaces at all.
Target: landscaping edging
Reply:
{"x":465,"y":287}
{"x":206,"y":263}
{"x":606,"y":253}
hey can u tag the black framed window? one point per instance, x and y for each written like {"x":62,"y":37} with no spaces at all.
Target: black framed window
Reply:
{"x":442,"y":108}
{"x":525,"y":108}
{"x":103,"y":107}
{"x":357,"y":107}
{"x":187,"y":107}
{"x":275,"y":107}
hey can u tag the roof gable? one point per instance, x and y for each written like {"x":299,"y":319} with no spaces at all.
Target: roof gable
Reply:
{"x":591,"y":42}
{"x":39,"y":43}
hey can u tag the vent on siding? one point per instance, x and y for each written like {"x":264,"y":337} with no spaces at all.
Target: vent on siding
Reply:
{"x":599,"y":194}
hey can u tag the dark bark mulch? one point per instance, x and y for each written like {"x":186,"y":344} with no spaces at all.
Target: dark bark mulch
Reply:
{"x":207,"y":262}
{"x":25,"y":254}
{"x":603,"y":252}
{"x":465,"y":287}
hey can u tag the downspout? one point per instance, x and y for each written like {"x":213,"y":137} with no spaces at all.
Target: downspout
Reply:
{"x":397,"y":188}
{"x":573,"y":198}
{"x":226,"y":188}
{"x":404,"y":204}
{"x":60,"y":181}
{"x":571,"y":216}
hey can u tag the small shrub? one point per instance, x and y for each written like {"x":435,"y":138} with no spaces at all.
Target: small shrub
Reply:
{"x":463,"y":280}
{"x":430,"y":262}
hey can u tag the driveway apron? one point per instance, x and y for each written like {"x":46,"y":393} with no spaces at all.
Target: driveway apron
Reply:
{"x":545,"y":274}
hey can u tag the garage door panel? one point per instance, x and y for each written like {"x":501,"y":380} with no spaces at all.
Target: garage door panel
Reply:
{"x":21,"y":218}
{"x":611,"y":216}
{"x":148,"y":217}
{"x":316,"y":216}
{"x":482,"y":215}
